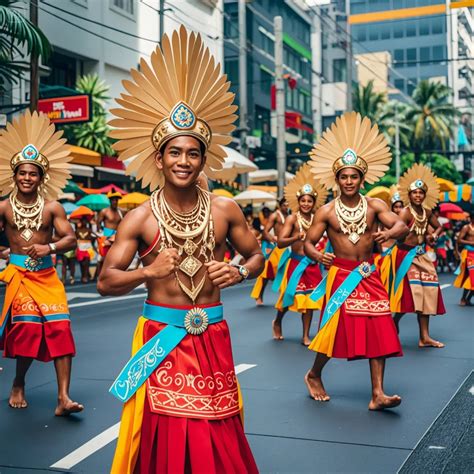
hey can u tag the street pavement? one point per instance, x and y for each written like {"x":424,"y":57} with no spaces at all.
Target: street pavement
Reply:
{"x":288,"y":432}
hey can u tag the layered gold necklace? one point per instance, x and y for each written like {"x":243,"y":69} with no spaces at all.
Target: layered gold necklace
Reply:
{"x":191,"y":233}
{"x":420,"y":223}
{"x":28,"y":217}
{"x":353,"y":220}
{"x":303,"y":223}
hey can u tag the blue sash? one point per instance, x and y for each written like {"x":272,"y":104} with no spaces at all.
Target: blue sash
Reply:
{"x":290,"y":292}
{"x":109,"y":232}
{"x":406,"y":264}
{"x":180,"y":322}
{"x":31,"y":264}
{"x":285,"y":256}
{"x":267,"y":248}
{"x":364,"y":270}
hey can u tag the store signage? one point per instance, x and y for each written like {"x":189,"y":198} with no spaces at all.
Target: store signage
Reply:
{"x":68,"y":109}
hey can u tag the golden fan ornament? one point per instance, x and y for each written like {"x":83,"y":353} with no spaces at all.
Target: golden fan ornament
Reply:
{"x":31,"y":138}
{"x":179,"y":91}
{"x":419,"y":177}
{"x":351,"y":142}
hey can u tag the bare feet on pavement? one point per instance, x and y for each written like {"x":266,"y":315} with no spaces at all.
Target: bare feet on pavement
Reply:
{"x":259,"y":302}
{"x":382,"y":401}
{"x":67,"y":406}
{"x":430,"y":343}
{"x":306,"y":341}
{"x":277,"y":335}
{"x":316,"y":388}
{"x":17,"y":396}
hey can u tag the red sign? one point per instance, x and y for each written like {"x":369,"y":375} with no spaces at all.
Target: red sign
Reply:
{"x":69,"y":109}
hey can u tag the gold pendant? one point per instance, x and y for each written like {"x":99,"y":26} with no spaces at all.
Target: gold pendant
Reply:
{"x":190,"y":266}
{"x":194,"y":291}
{"x":189,"y":247}
{"x":354,"y":237}
{"x":27,"y":234}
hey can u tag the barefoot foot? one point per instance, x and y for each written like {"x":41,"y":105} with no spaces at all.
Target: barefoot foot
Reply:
{"x":17,"y":396}
{"x":67,"y":406}
{"x":306,"y":341}
{"x":259,"y":302}
{"x":462,"y":303}
{"x":430,"y":343}
{"x":316,"y":388}
{"x":381,"y":402}
{"x":276,"y":327}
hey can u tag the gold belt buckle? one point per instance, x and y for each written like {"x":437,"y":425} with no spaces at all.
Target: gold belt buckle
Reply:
{"x":196,"y":321}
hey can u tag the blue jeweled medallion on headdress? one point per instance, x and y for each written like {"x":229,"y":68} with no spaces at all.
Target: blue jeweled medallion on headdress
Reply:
{"x":349,"y":157}
{"x":30,"y":152}
{"x":182,"y":116}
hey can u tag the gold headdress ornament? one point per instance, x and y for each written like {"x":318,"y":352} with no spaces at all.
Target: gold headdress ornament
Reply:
{"x":180,"y":91}
{"x":419,"y":177}
{"x":351,"y":142}
{"x":304,"y":183}
{"x":395,"y":195}
{"x":32,"y":139}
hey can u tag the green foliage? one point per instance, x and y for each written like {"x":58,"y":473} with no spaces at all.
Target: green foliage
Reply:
{"x":19,"y":38}
{"x":98,"y":90}
{"x":366,"y":101}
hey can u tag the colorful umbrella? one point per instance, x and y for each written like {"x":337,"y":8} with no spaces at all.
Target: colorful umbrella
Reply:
{"x":380,"y":192}
{"x":80,"y":212}
{"x":112,"y":188}
{"x":69,"y":207}
{"x":222,"y":192}
{"x":72,"y":187}
{"x":133,"y":200}
{"x":449,"y":207}
{"x":445,"y":185}
{"x":470,"y":181}
{"x":96,"y":202}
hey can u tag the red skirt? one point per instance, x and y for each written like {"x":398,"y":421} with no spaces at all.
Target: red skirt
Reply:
{"x":172,"y":444}
{"x":365,"y":329}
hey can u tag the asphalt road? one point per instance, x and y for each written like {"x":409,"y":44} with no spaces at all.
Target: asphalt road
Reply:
{"x":288,"y":432}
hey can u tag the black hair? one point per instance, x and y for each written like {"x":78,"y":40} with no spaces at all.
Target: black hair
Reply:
{"x":40,"y":170}
{"x":202,"y":147}
{"x":361,"y":175}
{"x":281,"y":201}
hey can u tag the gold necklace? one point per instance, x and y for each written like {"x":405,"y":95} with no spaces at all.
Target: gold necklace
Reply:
{"x":27,"y":216}
{"x":190,"y":233}
{"x":420,"y":224}
{"x":352,"y":220}
{"x":303,"y":223}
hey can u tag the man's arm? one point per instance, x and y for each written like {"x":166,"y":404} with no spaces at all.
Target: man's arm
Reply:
{"x":114,"y":278}
{"x":100,"y":219}
{"x":462,"y":237}
{"x":434,"y":222}
{"x":314,"y":235}
{"x":394,"y":226}
{"x":284,"y":239}
{"x":267,"y":229}
{"x":244,"y":242}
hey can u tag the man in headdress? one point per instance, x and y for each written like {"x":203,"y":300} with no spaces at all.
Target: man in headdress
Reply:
{"x":415,"y":287}
{"x":271,"y":251}
{"x":303,"y":275}
{"x":182,"y":410}
{"x":356,"y":322}
{"x":107,"y":222}
{"x":35,"y":322}
{"x":465,"y":279}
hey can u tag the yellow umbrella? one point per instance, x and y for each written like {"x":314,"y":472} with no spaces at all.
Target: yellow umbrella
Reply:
{"x":267,"y":189}
{"x":133,"y":200}
{"x":222,"y":192}
{"x":446,"y":185}
{"x":380,"y":192}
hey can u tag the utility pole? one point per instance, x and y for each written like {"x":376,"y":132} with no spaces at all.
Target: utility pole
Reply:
{"x":243,"y":84}
{"x":162,"y":19}
{"x":397,"y":149}
{"x":34,"y":73}
{"x":348,"y":58}
{"x":280,"y":103}
{"x":317,"y":78}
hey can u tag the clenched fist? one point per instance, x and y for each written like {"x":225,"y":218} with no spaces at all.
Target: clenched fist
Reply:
{"x":164,"y":265}
{"x":37,"y":250}
{"x":222,"y":274}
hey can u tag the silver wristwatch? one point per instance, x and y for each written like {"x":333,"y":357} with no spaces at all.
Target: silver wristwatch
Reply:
{"x":52,"y":248}
{"x":243,"y":271}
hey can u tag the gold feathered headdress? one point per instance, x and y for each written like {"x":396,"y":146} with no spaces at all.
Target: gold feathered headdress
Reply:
{"x":395,"y":195}
{"x":32,"y":138}
{"x":419,"y":177}
{"x":302,"y":184}
{"x":180,"y":91}
{"x":351,"y":142}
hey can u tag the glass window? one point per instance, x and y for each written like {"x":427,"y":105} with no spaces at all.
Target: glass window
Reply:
{"x":339,"y":70}
{"x":425,"y":54}
{"x":266,"y":81}
{"x":289,"y":97}
{"x":385,"y":31}
{"x":411,"y":28}
{"x":126,"y":5}
{"x":411,"y":85}
{"x":424,"y":26}
{"x":301,"y":105}
{"x":373,"y":33}
{"x":438,"y":53}
{"x":398,"y":29}
{"x":400,"y":84}
{"x":360,"y":33}
{"x":437,"y":25}
{"x":399,"y":57}
{"x":411,"y":57}
{"x":231,"y":22}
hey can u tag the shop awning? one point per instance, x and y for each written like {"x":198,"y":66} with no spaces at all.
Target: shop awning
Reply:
{"x":84,"y":156}
{"x":82,"y":170}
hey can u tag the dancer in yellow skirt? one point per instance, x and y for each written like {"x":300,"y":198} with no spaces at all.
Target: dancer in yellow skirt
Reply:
{"x":465,"y":279}
{"x":270,"y":250}
{"x":304,"y":195}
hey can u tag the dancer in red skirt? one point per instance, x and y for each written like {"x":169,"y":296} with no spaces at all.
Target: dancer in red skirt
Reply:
{"x":355,"y":320}
{"x":35,"y":324}
{"x":182,"y":409}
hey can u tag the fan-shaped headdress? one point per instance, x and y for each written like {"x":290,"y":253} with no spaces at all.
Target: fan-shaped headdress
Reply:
{"x":180,"y":91}
{"x":31,"y":138}
{"x":351,"y":142}
{"x":302,"y":184}
{"x":395,"y":195}
{"x":419,"y":177}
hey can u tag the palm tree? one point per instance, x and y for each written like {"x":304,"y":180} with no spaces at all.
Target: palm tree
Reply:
{"x":392,"y":113}
{"x":432,"y":116}
{"x":18,"y":39}
{"x":366,"y":101}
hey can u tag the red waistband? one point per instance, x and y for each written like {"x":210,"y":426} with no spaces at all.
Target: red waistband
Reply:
{"x":349,"y":264}
{"x":185,"y":306}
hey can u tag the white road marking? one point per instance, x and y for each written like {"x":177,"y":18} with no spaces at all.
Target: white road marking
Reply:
{"x":107,"y":300}
{"x":76,"y":294}
{"x":436,"y":447}
{"x":447,"y":285}
{"x":107,"y":436}
{"x":471,"y":390}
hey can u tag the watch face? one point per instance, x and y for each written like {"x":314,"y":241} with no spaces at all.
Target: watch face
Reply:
{"x":243,"y":271}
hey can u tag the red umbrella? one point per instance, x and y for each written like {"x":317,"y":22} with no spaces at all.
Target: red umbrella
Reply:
{"x":112,"y":188}
{"x":449,"y":207}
